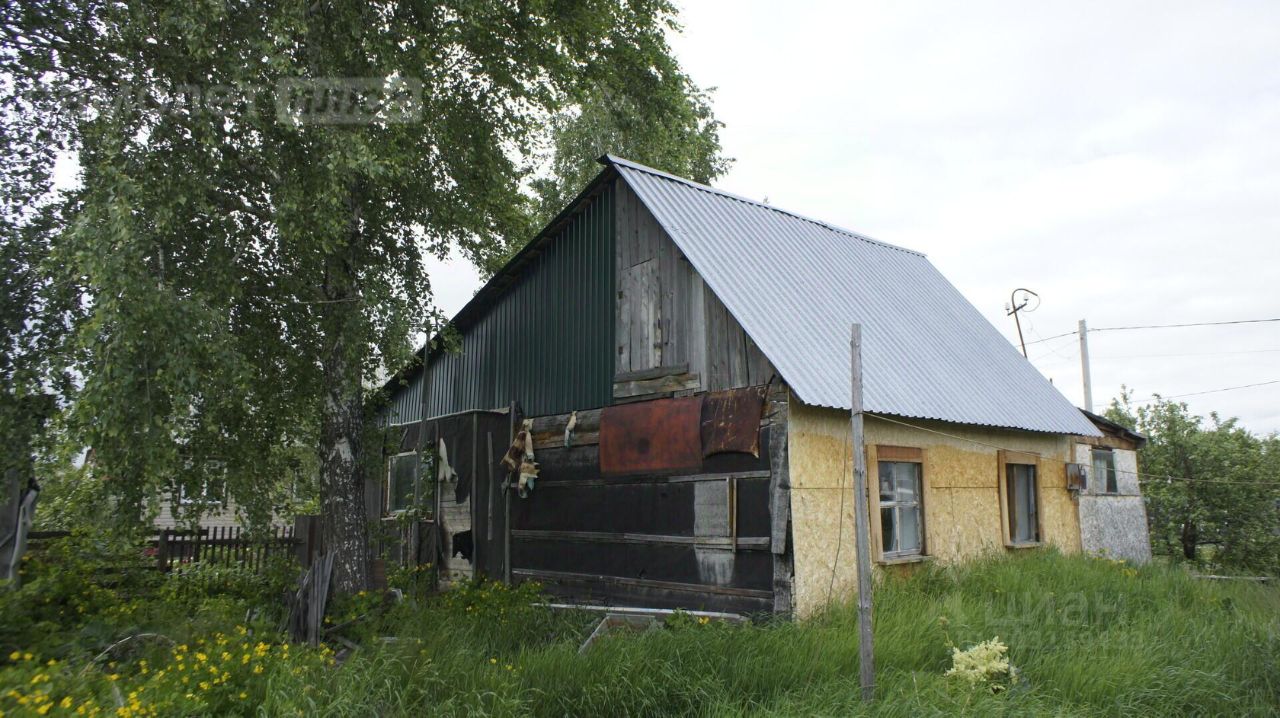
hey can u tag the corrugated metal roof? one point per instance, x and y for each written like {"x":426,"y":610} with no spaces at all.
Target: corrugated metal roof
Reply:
{"x":797,"y":284}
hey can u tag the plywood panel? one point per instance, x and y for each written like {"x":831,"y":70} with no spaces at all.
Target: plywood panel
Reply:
{"x":962,"y":508}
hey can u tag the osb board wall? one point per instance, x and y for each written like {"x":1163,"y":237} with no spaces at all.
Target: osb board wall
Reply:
{"x":1114,"y":525}
{"x":962,"y":507}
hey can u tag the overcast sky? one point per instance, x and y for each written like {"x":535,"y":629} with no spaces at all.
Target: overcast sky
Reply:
{"x":1120,"y":159}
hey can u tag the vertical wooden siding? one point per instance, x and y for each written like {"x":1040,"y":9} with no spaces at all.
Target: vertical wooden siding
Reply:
{"x":667,"y":316}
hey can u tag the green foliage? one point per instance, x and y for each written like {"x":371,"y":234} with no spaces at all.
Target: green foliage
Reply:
{"x":73,"y":591}
{"x":1223,"y":490}
{"x":1089,"y":637}
{"x":227,"y":277}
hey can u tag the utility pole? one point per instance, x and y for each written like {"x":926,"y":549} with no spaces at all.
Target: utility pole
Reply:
{"x":866,"y":657}
{"x":1014,"y":306}
{"x":1084,"y":366}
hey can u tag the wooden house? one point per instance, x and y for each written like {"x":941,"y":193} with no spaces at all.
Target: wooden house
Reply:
{"x":680,"y":359}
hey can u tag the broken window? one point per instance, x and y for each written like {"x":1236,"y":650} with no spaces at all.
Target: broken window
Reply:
{"x":1104,"y":470}
{"x":404,"y":487}
{"x":901,"y":517}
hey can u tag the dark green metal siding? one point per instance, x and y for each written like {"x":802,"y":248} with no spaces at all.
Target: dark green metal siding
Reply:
{"x":546,"y":341}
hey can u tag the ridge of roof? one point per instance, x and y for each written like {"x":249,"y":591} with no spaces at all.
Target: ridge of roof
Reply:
{"x":616,"y":161}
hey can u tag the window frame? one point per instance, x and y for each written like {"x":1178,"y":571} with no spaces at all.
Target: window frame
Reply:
{"x":390,"y":487}
{"x":901,"y":455}
{"x":1005,"y":459}
{"x":1110,"y":484}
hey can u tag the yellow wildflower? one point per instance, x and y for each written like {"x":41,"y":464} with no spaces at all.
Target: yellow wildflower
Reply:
{"x":15,"y":656}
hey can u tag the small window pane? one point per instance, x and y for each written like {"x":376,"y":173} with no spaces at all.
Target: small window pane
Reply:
{"x":888,"y":527}
{"x":909,"y":529}
{"x":886,"y":481}
{"x":908,"y":477}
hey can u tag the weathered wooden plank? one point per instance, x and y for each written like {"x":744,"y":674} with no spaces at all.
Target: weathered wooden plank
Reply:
{"x":553,"y":440}
{"x":737,"y":350}
{"x":585,"y":593}
{"x":780,"y":503}
{"x":624,"y":204}
{"x":744,"y":542}
{"x":655,"y":479}
{"x":679,"y":382}
{"x":651,"y":373}
{"x":717,"y":341}
{"x":697,"y":327}
{"x":640,"y":288}
{"x":681,"y":335}
{"x":667,"y":285}
{"x":544,"y":575}
{"x":759,"y":369}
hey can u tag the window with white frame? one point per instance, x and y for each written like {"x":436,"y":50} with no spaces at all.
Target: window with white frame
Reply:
{"x":1104,"y":470}
{"x":900,"y":495}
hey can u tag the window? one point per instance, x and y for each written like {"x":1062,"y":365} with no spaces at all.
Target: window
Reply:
{"x":897,"y":503}
{"x":901,"y":522}
{"x":1104,"y":470}
{"x":1019,"y":498}
{"x":209,"y":494}
{"x":403,"y":485}
{"x":208,"y":490}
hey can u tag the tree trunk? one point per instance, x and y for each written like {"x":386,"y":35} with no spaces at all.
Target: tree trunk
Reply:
{"x":344,"y":526}
{"x":1190,"y":539}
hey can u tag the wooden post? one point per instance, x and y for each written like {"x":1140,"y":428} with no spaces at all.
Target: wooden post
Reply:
{"x":866,"y":658}
{"x":162,"y":550}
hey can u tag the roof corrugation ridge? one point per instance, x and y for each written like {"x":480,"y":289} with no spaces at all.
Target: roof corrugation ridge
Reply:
{"x":621,"y":162}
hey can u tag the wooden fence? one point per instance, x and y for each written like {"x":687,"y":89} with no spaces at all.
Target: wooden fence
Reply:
{"x":223,"y":545}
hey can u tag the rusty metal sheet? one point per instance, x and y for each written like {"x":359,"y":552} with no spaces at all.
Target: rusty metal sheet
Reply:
{"x":731,"y":421}
{"x":660,"y":435}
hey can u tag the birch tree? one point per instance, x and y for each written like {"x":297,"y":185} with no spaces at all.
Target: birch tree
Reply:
{"x":259,"y":185}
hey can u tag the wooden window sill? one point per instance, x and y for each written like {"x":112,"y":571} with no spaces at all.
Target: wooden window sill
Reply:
{"x":1025,"y":544}
{"x":895,"y":560}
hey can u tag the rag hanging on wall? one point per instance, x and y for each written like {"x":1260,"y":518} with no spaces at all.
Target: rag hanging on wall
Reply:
{"x":519,"y":457}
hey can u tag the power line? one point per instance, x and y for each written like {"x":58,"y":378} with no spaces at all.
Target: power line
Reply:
{"x":1187,"y":354}
{"x":1189,"y":324}
{"x":1055,"y":336}
{"x":1159,"y":326}
{"x":1210,"y":391}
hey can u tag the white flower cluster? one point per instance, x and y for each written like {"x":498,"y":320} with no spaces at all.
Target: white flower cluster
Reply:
{"x":985,"y":663}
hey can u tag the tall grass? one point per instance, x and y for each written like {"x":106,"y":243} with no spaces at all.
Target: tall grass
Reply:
{"x":1089,"y":637}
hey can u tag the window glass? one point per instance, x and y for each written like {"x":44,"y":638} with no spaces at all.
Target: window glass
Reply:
{"x":1021,"y":480}
{"x":404,"y":472}
{"x":889,"y":529}
{"x":1104,"y":470}
{"x":909,"y":529}
{"x":901,"y":517}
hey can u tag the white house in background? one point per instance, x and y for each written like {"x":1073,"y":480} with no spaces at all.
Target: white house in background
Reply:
{"x":1113,"y":514}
